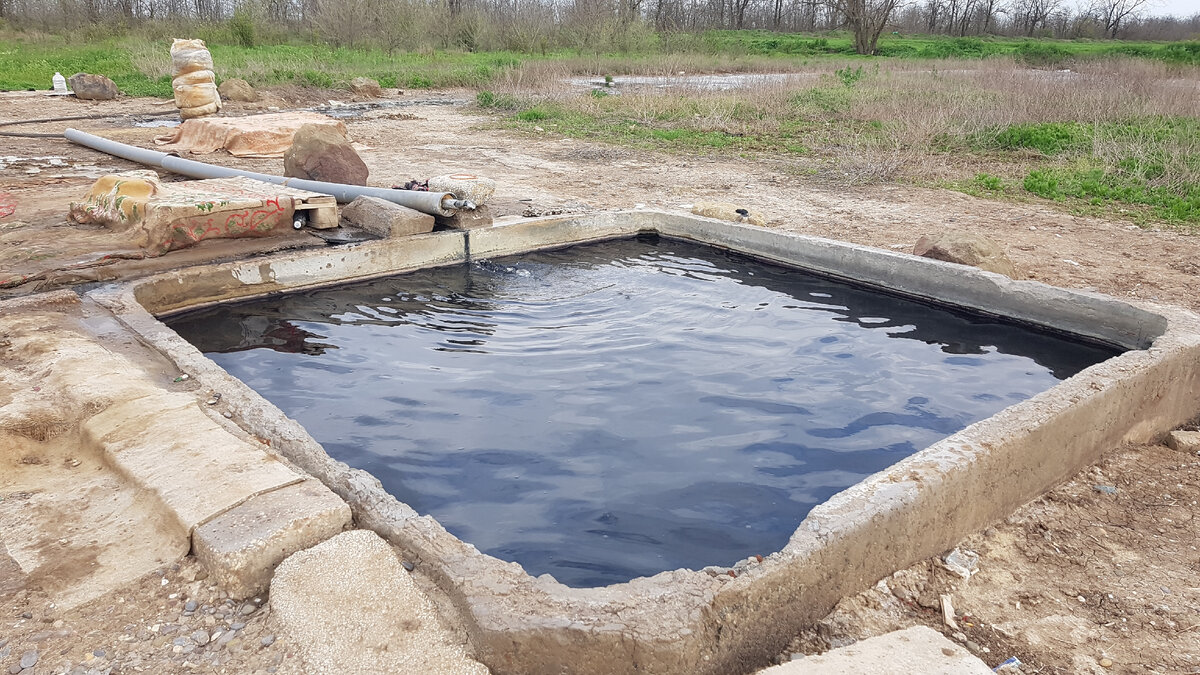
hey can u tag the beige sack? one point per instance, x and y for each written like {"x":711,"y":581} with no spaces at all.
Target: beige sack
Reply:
{"x":195,"y":77}
{"x":196,"y":95}
{"x":188,"y":56}
{"x":199,"y":111}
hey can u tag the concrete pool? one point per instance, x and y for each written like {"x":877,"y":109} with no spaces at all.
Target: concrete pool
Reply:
{"x":686,"y":621}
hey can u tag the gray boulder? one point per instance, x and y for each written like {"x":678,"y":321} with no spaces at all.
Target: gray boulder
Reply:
{"x":966,"y":248}
{"x":321,"y":152}
{"x":92,"y":87}
{"x":237,"y":89}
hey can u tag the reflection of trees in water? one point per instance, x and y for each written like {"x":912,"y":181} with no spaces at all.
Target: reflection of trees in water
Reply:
{"x":464,"y":299}
{"x":447,"y":299}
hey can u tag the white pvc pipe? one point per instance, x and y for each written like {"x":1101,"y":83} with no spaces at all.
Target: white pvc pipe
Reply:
{"x":433,"y":203}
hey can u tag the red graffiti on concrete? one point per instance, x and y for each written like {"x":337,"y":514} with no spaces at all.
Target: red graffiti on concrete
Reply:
{"x":8,"y":205}
{"x":242,"y":223}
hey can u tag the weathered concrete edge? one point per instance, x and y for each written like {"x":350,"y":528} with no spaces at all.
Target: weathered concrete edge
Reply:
{"x":203,"y":285}
{"x":670,"y":621}
{"x":1089,"y":314}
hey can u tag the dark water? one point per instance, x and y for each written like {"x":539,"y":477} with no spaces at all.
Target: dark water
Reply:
{"x":623,"y":408}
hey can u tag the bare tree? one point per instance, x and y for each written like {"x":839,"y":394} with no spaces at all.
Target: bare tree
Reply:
{"x":1113,"y":13}
{"x":866,"y":19}
{"x":1030,"y":14}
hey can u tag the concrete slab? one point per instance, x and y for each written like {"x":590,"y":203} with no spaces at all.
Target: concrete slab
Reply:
{"x":919,"y":649}
{"x":243,"y":545}
{"x":165,"y":444}
{"x":353,"y":586}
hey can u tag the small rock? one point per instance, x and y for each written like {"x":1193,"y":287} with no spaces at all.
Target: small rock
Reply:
{"x":248,"y":609}
{"x":237,"y":89}
{"x":1184,"y":441}
{"x":26,"y":615}
{"x":731,"y":212}
{"x":365,"y":86}
{"x":268,"y":640}
{"x":1106,"y":489}
{"x":99,"y":653}
{"x":92,"y":87}
{"x":29,"y":659}
{"x":322,"y":152}
{"x":14,"y":669}
{"x":1106,"y":663}
{"x":200,"y":637}
{"x":408,"y":566}
{"x":237,"y":626}
{"x":973,"y":646}
{"x":966,"y":248}
{"x":181,"y":641}
{"x":190,"y":606}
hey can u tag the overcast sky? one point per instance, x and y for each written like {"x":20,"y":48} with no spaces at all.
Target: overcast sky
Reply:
{"x":1180,"y":8}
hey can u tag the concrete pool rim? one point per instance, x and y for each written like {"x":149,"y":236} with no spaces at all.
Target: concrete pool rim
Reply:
{"x":693,"y":621}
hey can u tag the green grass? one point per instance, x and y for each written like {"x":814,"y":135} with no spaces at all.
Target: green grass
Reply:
{"x":1034,"y":51}
{"x":141,"y":68}
{"x":1100,"y":186}
{"x":665,"y":132}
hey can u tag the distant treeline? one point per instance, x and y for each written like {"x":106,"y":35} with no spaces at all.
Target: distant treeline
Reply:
{"x":599,"y":25}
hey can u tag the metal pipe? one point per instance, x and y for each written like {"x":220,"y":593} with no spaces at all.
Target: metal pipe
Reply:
{"x":433,"y":203}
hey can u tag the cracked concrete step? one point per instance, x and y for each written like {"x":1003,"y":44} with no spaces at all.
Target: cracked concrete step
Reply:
{"x":919,"y":649}
{"x":242,"y":546}
{"x":97,"y":405}
{"x":166,"y":444}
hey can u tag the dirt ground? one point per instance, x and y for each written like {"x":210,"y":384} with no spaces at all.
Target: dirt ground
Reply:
{"x":1080,"y":580}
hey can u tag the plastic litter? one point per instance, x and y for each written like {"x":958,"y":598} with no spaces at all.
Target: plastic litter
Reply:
{"x":60,"y":83}
{"x":1009,"y":665}
{"x":961,"y":562}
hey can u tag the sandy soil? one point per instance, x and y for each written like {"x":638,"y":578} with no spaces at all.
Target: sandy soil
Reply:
{"x":1078,"y":576}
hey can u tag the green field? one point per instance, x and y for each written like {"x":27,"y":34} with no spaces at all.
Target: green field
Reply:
{"x":140,"y":66}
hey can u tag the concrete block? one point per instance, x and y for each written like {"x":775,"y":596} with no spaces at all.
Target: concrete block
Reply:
{"x":385,"y":219}
{"x":349,"y":606}
{"x":1184,"y":441}
{"x":467,"y":220}
{"x":241,"y":547}
{"x":914,"y":650}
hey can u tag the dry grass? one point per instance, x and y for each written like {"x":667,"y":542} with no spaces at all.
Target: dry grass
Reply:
{"x":923,"y":121}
